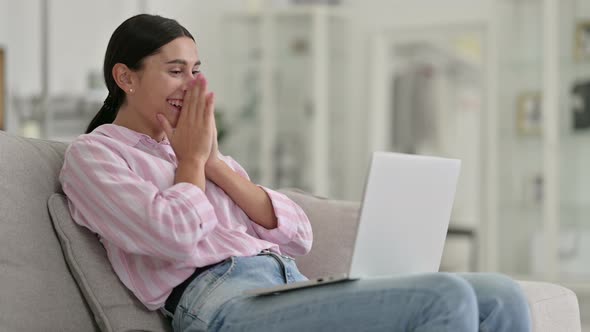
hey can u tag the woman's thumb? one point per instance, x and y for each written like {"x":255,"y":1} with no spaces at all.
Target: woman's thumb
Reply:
{"x":165,"y":124}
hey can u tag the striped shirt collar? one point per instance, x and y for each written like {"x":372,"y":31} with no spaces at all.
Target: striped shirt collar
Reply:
{"x":126,"y":135}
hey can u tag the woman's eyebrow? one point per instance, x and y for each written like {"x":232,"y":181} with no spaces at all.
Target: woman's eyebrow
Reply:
{"x":182,"y":62}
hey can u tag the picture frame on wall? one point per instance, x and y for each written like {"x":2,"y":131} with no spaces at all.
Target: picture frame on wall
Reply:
{"x":529,"y":120}
{"x":580,"y":101}
{"x":582,"y":41}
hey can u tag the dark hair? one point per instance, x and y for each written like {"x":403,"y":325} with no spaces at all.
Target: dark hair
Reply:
{"x":136,"y":38}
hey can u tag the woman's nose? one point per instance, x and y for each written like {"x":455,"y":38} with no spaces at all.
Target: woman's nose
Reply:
{"x":187,"y":83}
{"x":190,"y":81}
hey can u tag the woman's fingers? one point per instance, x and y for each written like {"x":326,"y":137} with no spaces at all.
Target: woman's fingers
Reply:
{"x":209,"y":105}
{"x":194,"y":129}
{"x":165,"y":125}
{"x":210,"y":117}
{"x":190,"y":92}
{"x":194,"y":99}
{"x":202,"y":98}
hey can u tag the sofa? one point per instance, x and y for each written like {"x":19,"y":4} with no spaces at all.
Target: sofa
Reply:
{"x":54,"y":275}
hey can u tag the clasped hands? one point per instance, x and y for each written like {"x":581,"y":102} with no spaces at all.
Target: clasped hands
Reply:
{"x":194,"y":139}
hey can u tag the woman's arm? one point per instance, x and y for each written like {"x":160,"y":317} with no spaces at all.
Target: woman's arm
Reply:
{"x":252,"y":199}
{"x":132,"y":213}
{"x":273,"y":216}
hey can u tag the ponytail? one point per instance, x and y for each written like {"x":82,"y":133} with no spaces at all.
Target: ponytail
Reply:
{"x":106,"y":114}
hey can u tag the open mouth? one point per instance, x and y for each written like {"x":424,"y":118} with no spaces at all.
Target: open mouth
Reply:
{"x":175,"y":103}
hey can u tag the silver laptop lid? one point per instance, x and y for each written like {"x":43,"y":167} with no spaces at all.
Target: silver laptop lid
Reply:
{"x":405,"y":215}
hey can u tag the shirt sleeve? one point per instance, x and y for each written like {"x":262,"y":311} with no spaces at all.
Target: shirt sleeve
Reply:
{"x":116,"y":203}
{"x":293,"y":233}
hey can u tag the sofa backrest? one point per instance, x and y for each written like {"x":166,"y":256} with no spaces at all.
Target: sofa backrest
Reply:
{"x":37,"y":291}
{"x":334,"y":225}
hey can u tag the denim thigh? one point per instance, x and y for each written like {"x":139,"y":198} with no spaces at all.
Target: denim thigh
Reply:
{"x":205,"y":296}
{"x":432,"y":302}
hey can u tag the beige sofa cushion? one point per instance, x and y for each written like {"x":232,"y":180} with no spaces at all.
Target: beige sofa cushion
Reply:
{"x":37,"y":291}
{"x":115,"y":308}
{"x":334,"y":225}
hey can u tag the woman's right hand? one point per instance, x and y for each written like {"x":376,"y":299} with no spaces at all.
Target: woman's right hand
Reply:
{"x":192,"y":137}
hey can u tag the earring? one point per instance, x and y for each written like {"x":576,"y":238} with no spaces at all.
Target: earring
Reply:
{"x":130,"y":90}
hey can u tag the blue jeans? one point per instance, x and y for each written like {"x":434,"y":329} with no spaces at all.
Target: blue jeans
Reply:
{"x":439,"y":302}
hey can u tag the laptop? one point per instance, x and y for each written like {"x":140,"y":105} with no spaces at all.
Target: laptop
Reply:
{"x":403,"y":221}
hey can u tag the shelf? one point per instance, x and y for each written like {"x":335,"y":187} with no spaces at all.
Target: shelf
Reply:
{"x":511,"y":136}
{"x":535,"y":54}
{"x":290,"y":11}
{"x":579,"y":207}
{"x":538,"y":63}
{"x":578,"y":287}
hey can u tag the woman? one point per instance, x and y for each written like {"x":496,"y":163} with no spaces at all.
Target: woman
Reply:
{"x":187,"y":232}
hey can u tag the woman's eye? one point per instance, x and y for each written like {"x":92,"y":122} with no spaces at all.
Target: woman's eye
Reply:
{"x":175,"y":72}
{"x":195,"y":72}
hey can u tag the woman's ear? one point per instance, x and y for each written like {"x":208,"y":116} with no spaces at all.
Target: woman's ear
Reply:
{"x":124,"y":77}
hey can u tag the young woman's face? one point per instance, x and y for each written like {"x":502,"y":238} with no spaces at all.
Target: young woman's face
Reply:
{"x":163,"y":80}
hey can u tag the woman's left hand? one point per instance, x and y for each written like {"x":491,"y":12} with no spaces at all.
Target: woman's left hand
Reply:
{"x":214,"y":159}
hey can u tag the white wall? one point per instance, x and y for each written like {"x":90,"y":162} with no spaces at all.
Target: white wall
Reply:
{"x":202,"y":19}
{"x":78,"y":36}
{"x":19,"y":35}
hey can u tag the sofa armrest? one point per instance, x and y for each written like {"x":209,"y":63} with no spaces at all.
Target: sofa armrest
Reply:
{"x":554,"y":308}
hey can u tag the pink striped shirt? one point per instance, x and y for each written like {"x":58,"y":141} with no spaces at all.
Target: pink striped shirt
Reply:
{"x":120,"y":185}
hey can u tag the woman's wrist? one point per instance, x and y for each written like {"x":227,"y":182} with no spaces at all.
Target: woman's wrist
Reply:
{"x":213,"y":164}
{"x":191,"y":172}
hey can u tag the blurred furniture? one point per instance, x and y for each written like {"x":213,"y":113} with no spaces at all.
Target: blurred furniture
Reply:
{"x":35,"y":277}
{"x":287,"y":93}
{"x":526,"y":161}
{"x":461,"y":250}
{"x":60,"y":118}
{"x":67,"y":117}
{"x":428,"y":88}
{"x":539,"y":193}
